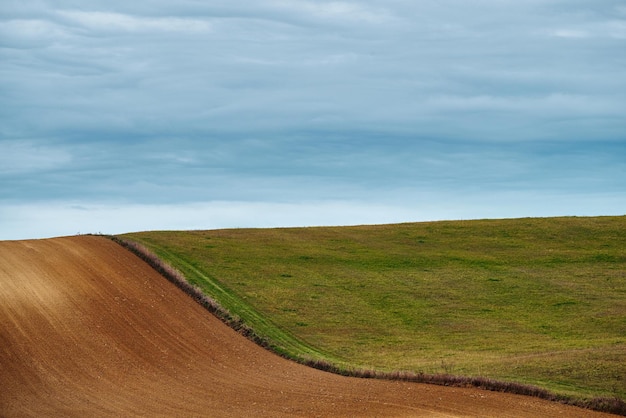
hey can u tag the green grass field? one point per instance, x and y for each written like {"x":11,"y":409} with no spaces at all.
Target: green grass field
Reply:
{"x":540,"y":301}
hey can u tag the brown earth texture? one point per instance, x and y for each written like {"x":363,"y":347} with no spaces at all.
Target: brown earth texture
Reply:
{"x":88,"y":329}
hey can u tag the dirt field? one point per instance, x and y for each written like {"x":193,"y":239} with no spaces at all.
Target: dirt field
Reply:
{"x":88,"y":329}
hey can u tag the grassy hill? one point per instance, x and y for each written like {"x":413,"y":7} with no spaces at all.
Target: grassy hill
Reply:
{"x":539,"y":300}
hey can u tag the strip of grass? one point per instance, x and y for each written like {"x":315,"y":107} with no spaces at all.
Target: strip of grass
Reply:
{"x":536,"y":301}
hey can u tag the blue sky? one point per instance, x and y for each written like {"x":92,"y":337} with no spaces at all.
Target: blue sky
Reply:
{"x":120,"y":116}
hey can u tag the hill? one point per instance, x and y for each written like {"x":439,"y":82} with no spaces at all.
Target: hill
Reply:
{"x":88,"y":329}
{"x":536,"y":301}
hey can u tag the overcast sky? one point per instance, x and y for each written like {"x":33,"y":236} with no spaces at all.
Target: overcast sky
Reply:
{"x":120,"y":116}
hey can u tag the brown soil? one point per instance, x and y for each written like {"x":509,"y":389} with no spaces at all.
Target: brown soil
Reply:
{"x":88,"y":329}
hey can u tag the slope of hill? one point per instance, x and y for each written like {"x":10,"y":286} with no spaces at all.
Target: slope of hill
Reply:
{"x":88,"y":329}
{"x":536,"y":301}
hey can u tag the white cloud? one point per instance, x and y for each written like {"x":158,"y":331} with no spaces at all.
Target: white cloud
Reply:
{"x":23,"y":156}
{"x":607,"y":29}
{"x":334,"y":10}
{"x":114,"y":22}
{"x":570,"y":33}
{"x":549,"y":105}
{"x":31,"y":33}
{"x":343,"y":94}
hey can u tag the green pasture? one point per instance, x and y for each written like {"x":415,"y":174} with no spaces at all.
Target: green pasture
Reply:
{"x":540,"y":301}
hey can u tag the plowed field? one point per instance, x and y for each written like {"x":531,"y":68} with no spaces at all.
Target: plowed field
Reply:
{"x":88,"y":329}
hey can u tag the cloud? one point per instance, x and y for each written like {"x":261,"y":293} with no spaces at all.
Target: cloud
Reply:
{"x":570,"y":33}
{"x":609,"y":29}
{"x":117,"y":22}
{"x":24,"y":156}
{"x":153,"y":102}
{"x":30,"y":33}
{"x":271,"y":66}
{"x":334,"y":10}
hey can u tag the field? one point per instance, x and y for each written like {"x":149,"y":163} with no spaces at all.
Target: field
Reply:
{"x":89,"y":329}
{"x":535,"y":301}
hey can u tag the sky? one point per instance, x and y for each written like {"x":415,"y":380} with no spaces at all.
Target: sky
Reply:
{"x":120,"y":116}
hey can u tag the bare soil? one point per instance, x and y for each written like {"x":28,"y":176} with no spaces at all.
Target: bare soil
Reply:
{"x":88,"y":329}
